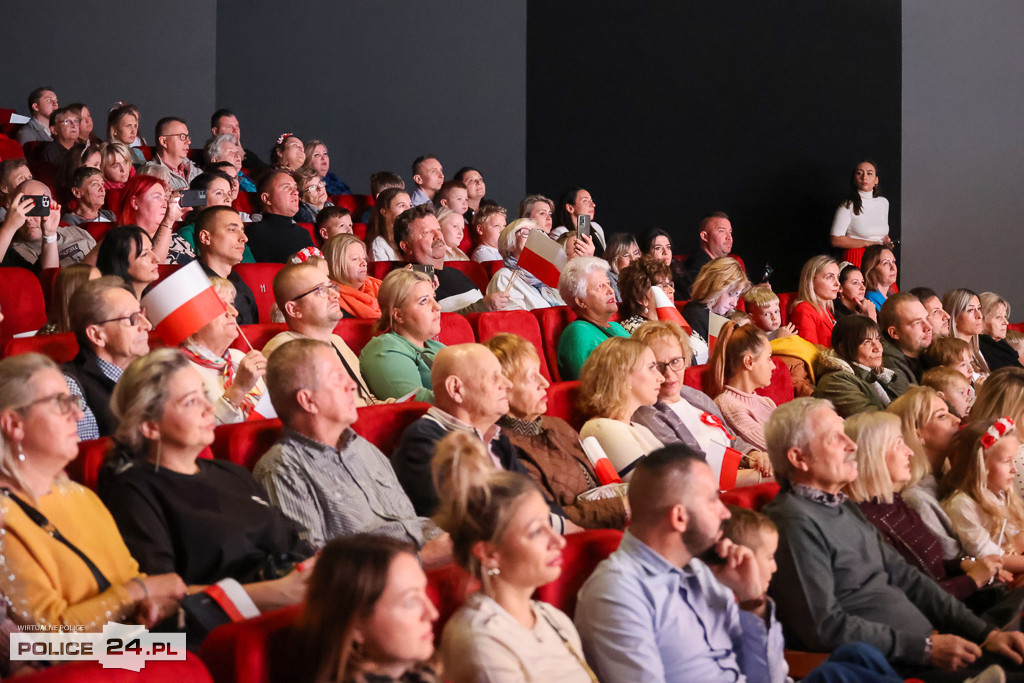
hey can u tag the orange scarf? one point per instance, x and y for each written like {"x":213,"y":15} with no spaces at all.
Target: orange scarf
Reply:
{"x":362,"y":302}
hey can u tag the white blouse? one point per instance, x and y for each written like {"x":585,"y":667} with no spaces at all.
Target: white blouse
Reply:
{"x":972,"y":524}
{"x":871,"y":224}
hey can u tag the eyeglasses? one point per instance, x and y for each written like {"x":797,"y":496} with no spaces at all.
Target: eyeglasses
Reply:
{"x":65,"y":403}
{"x":667,"y":286}
{"x":184,"y":137}
{"x":70,"y":122}
{"x":133,"y":319}
{"x":319,"y":186}
{"x":676,"y":364}
{"x":322,"y":290}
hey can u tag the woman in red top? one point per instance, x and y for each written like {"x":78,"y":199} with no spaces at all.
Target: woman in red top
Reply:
{"x":812,"y":313}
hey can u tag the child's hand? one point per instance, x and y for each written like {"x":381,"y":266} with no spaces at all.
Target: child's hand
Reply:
{"x":787,"y":330}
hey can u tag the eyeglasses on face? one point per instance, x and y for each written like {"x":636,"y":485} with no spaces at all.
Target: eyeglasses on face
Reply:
{"x":65,"y":403}
{"x":322,"y":290}
{"x":133,"y":319}
{"x":184,"y":137}
{"x":678,"y":363}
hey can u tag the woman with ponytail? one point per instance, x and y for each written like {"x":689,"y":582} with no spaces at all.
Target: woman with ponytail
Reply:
{"x":502,"y":535}
{"x":740,"y":364}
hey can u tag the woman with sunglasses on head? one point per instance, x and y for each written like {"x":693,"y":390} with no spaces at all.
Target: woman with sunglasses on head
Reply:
{"x":78,"y":571}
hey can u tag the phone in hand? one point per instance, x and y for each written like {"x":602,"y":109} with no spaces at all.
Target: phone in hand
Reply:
{"x":711,"y":558}
{"x":583,"y":225}
{"x":420,"y":268}
{"x":193,"y":198}
{"x":41,"y":207}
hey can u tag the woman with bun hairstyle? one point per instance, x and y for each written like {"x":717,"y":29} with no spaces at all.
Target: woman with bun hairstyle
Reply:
{"x":501,"y":534}
{"x":742,"y":363}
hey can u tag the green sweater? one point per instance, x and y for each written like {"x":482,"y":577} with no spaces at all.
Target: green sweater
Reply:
{"x":578,"y":341}
{"x":393,"y":366}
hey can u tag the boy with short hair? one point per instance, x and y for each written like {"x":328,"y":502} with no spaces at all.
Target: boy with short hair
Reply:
{"x":331,"y":221}
{"x":953,"y":387}
{"x":488,"y":223}
{"x":797,"y":353}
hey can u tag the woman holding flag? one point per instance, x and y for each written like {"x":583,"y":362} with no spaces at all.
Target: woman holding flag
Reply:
{"x":234,"y":380}
{"x":526,"y":290}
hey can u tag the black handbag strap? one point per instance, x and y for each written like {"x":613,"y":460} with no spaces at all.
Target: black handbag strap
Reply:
{"x":40,"y":519}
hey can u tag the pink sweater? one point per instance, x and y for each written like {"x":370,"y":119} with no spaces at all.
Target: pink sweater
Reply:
{"x":746,"y":414}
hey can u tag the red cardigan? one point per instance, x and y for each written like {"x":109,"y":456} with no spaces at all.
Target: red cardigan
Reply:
{"x":813,"y":326}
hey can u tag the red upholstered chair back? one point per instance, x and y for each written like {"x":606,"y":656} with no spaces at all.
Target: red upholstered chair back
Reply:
{"x":260,"y":278}
{"x":582,"y":553}
{"x":85,"y":469}
{"x":448,"y":587}
{"x":245,"y":443}
{"x":379,"y":269}
{"x":359,"y":230}
{"x":189,"y":670}
{"x":522,"y":323}
{"x":781,"y":388}
{"x":60,"y":347}
{"x":473,"y":270}
{"x":1018,"y":327}
{"x":238,"y":652}
{"x":258,"y":335}
{"x":492,"y":267}
{"x":455,"y":329}
{"x":785,"y":299}
{"x":751,"y":497}
{"x":246,"y":202}
{"x":356,"y":203}
{"x":356,"y":332}
{"x":552,"y":321}
{"x":9,"y":149}
{"x":21,"y":301}
{"x":694,"y":376}
{"x":47,"y":276}
{"x":562,"y":403}
{"x":383,"y":425}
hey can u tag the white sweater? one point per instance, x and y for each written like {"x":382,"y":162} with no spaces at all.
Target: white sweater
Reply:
{"x":871,"y":224}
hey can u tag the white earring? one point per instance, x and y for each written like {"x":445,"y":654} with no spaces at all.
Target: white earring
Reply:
{"x":21,"y":454}
{"x":493,"y":571}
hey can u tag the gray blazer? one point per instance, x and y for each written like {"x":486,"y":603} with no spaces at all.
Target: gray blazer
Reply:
{"x":667,"y":426}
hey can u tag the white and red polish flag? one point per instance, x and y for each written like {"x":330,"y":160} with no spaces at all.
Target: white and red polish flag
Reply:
{"x":182,"y":304}
{"x":543,"y":258}
{"x":666,"y":308}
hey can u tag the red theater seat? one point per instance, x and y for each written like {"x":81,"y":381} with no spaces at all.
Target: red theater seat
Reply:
{"x":583,"y":552}
{"x":694,"y":376}
{"x":260,"y":278}
{"x":473,"y":270}
{"x":356,"y":203}
{"x":379,"y":269}
{"x":487,"y":325}
{"x":455,"y":329}
{"x":85,"y":469}
{"x":383,"y":425}
{"x":359,"y":230}
{"x":189,"y":670}
{"x":47,"y":276}
{"x":246,"y":202}
{"x":356,"y":332}
{"x":239,"y":652}
{"x":59,"y":347}
{"x":785,"y":298}
{"x":781,"y":388}
{"x":751,"y":497}
{"x":21,"y":301}
{"x":448,"y":587}
{"x":10,"y":149}
{"x":258,"y":335}
{"x":245,"y":442}
{"x":552,"y":321}
{"x":492,"y":267}
{"x":562,"y":403}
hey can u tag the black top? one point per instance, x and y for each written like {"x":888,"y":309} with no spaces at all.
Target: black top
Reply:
{"x":451,"y":282}
{"x":275,"y":238}
{"x":998,"y":354}
{"x":684,"y":281}
{"x":245,"y":301}
{"x":208,"y":526}
{"x":698,"y":315}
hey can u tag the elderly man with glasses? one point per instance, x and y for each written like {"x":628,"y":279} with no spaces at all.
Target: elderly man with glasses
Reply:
{"x":112,"y":331}
{"x":310,"y":304}
{"x":172,"y":145}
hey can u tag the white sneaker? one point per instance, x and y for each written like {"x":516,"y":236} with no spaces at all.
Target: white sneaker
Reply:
{"x":993,"y":674}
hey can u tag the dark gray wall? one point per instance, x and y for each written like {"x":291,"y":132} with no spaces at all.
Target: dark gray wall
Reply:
{"x":382,"y":83}
{"x":963,"y":142}
{"x":102,"y":52}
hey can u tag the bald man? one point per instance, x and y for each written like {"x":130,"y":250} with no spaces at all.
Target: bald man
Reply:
{"x":309,"y":302}
{"x":470,"y":394}
{"x":321,"y":474}
{"x":38,"y":242}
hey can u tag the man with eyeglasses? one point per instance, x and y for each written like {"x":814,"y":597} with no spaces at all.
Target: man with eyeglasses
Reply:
{"x":112,"y":331}
{"x":172,"y":144}
{"x":64,"y":128}
{"x":276,"y":237}
{"x":310,"y":304}
{"x":41,"y":103}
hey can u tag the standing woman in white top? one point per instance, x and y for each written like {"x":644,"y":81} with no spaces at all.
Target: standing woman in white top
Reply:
{"x":381,"y":233}
{"x":501,"y":534}
{"x":863,"y":219}
{"x":619,"y":377}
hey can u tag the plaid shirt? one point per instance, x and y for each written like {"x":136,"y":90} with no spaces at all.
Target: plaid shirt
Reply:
{"x":87,"y":427}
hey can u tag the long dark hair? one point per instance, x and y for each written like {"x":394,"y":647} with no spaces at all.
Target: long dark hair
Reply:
{"x":854,"y":197}
{"x":117,"y":248}
{"x":568,"y":196}
{"x":347,"y":581}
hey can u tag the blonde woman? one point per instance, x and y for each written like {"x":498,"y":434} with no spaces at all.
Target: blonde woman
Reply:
{"x":717,"y":289}
{"x":619,"y":377}
{"x":997,"y":352}
{"x":812,"y":312}
{"x":928,"y":429}
{"x":397,"y":362}
{"x":346,"y":263}
{"x":967,"y":322}
{"x":501,"y":534}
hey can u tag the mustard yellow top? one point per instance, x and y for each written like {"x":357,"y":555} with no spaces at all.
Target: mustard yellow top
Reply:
{"x":44,"y":581}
